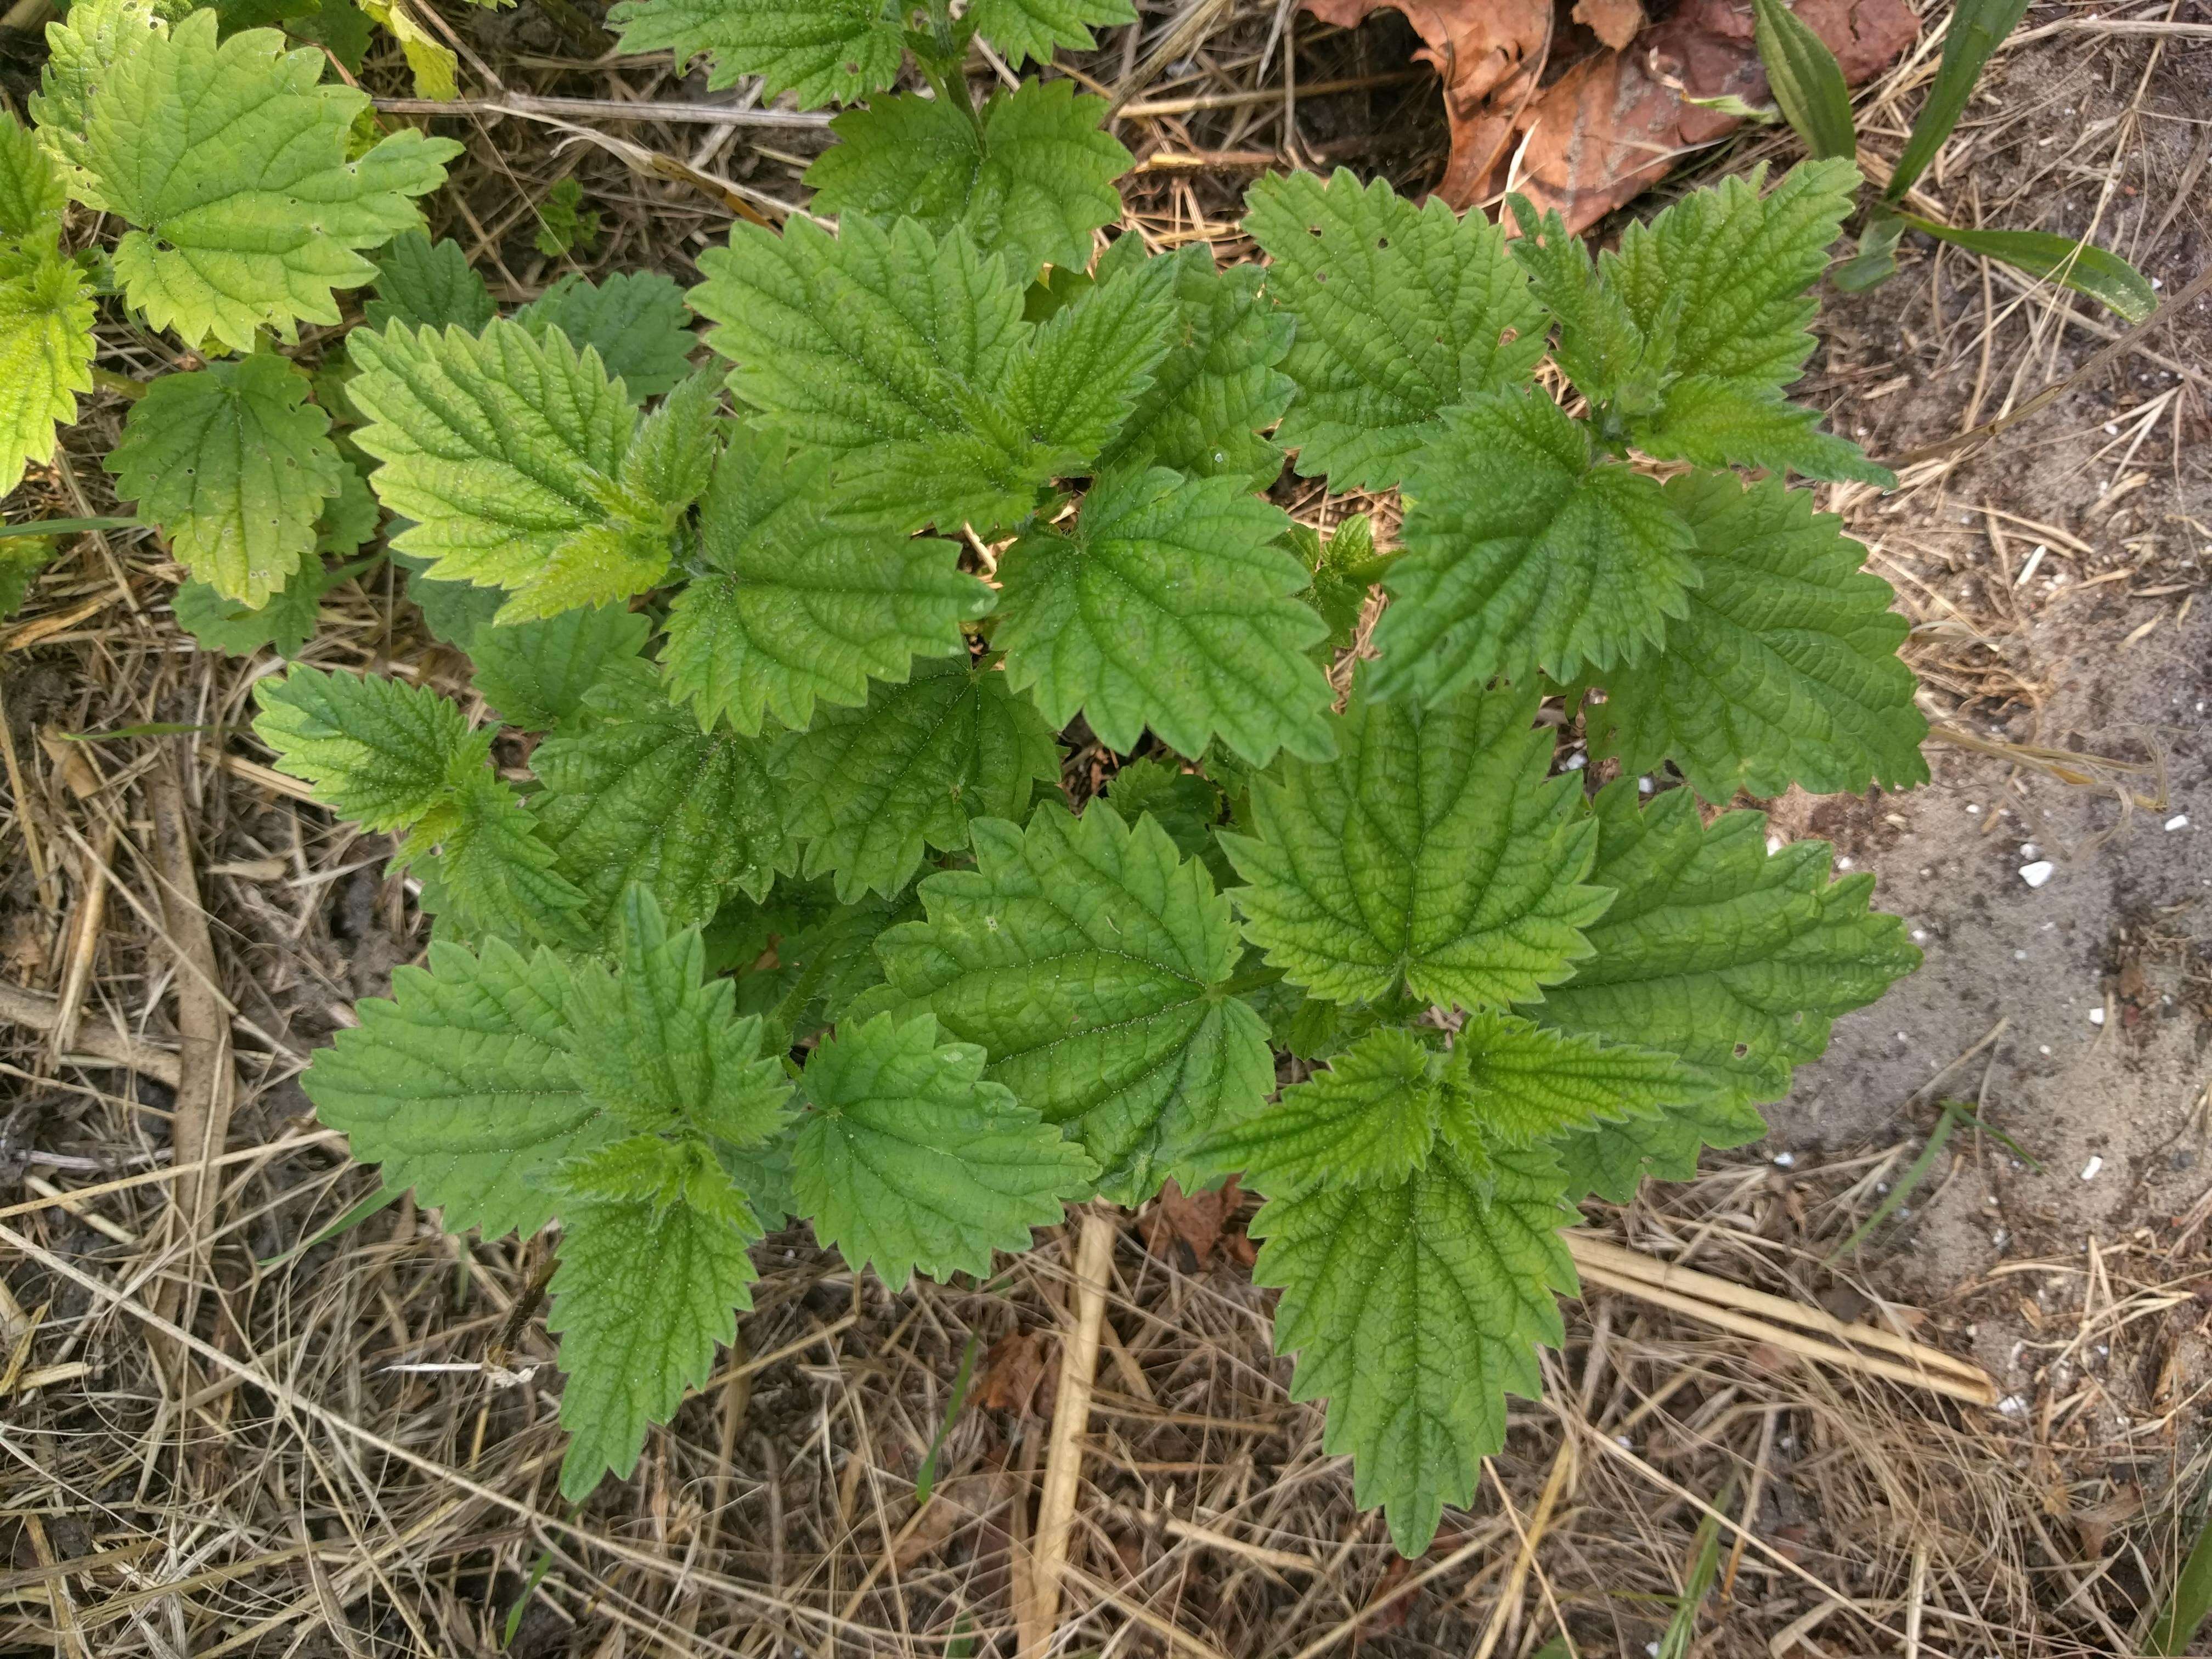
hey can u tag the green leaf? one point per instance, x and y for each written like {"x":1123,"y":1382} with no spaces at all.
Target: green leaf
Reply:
{"x":824,"y":51}
{"x":1433,"y":854}
{"x":429,"y":284}
{"x":1974,"y":29}
{"x":1726,"y":272}
{"x":494,"y":1082}
{"x":909,"y":359}
{"x":1031,"y":179}
{"x":1712,"y":423}
{"x":396,"y":756}
{"x":339,"y":26}
{"x":909,"y":1159}
{"x":838,"y":952}
{"x":349,"y":518}
{"x":673,"y":458}
{"x":1414,"y":1307}
{"x":1807,"y":81}
{"x":232,"y":164}
{"x":2082,"y":266}
{"x":462,"y":1086}
{"x":868,"y":788}
{"x":794,"y":604}
{"x":636,"y":320}
{"x":1600,"y":347}
{"x":1367,"y":1120}
{"x":495,"y":871}
{"x":1185,"y":805}
{"x":21,"y":558}
{"x":286,"y":622}
{"x":505,"y":448}
{"x":661,"y":1045}
{"x":1719,"y":286}
{"x":1219,"y":387}
{"x":1875,"y":262}
{"x":564,"y":223}
{"x":1344,"y":570}
{"x":535,"y":674}
{"x":636,"y":792}
{"x":1402,"y":312}
{"x":234,"y":463}
{"x":453,"y":611}
{"x":1523,"y":552}
{"x":81,"y":48}
{"x":1611,"y":1159}
{"x":32,"y":197}
{"x":1736,"y":960}
{"x":1170,"y":606}
{"x":643,"y":1294}
{"x":1026,"y":29}
{"x":1509,"y":1085}
{"x":1092,"y":965}
{"x":46,"y":349}
{"x":1784,"y":670}
{"x":377,"y":749}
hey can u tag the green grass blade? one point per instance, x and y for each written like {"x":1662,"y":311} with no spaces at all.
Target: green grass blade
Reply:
{"x":2188,"y":1601}
{"x":382,"y":1198}
{"x":68,"y":527}
{"x":1808,"y":82}
{"x":1977,"y":26}
{"x":1875,"y":262}
{"x":925,"y":1480}
{"x":1915,"y":1173}
{"x":1705,"y":1565}
{"x":538,"y":1569}
{"x":2082,"y":266}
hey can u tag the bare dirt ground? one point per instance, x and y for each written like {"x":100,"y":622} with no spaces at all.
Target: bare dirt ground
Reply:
{"x":257,"y":1443}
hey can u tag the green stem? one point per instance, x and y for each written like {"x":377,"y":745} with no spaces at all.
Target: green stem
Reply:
{"x":946,"y":69}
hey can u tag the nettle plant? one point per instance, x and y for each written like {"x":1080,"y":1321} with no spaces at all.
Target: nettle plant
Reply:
{"x":756,"y":890}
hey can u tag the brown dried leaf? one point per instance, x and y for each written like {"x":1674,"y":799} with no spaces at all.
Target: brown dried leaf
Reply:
{"x":1612,"y":126}
{"x":1615,"y":123}
{"x":1614,"y":21}
{"x":1490,"y":54}
{"x":952,"y":1506}
{"x":1178,"y":1221}
{"x":1012,"y":1371}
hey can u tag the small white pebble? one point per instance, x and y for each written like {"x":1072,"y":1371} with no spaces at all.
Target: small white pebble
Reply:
{"x":2029,"y":849}
{"x":1774,"y":844}
{"x":2179,"y":820}
{"x":2000,"y":1238}
{"x":2013,"y":1406}
{"x":2089,"y":1170}
{"x":1919,"y":934}
{"x":1972,"y":810}
{"x":2020,"y":956}
{"x":1576,"y":761}
{"x":2096,"y":1016}
{"x":2037,"y":873}
{"x":2044,"y":1048}
{"x":1843,"y":864}
{"x":1785,"y":1160}
{"x":1645,"y":786}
